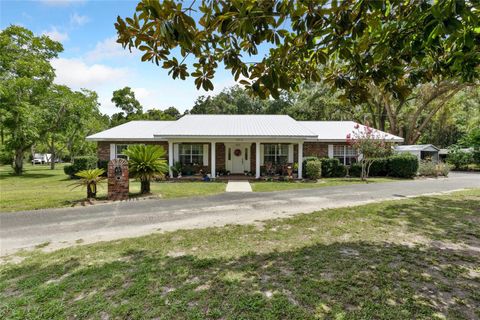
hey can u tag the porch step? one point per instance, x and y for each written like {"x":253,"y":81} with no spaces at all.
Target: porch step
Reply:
{"x":238,"y":186}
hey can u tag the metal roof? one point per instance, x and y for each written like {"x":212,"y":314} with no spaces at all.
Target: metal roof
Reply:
{"x":338,"y":130}
{"x":271,"y":126}
{"x":417,"y":147}
{"x":233,"y":126}
{"x":131,"y":131}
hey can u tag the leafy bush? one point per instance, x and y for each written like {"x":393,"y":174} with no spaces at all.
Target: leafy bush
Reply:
{"x":355,"y":170}
{"x":458,"y":158}
{"x":6,"y":156}
{"x":79,"y":164}
{"x":69,"y":170}
{"x":103,"y":164}
{"x":331,"y":167}
{"x":404,"y":165}
{"x":304,"y":163}
{"x":313,"y":169}
{"x":379,"y":168}
{"x":476,"y":156}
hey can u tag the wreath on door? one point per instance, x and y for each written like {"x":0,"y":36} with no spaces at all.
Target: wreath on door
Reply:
{"x":237,"y":152}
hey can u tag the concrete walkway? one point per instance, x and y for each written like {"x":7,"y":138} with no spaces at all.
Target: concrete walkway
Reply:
{"x":238,"y":186}
{"x":62,"y":227}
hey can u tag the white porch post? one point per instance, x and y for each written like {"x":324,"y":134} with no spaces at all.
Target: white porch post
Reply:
{"x":170,"y":158}
{"x":257,"y":160}
{"x":300,"y":159}
{"x":212,"y":161}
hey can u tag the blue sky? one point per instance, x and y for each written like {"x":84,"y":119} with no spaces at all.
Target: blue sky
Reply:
{"x":93,"y":60}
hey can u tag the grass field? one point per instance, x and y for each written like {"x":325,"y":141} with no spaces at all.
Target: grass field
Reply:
{"x":408,"y":259}
{"x":39,"y":187}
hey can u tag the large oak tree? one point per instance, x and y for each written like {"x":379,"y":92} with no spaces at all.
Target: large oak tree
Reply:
{"x":394,"y":44}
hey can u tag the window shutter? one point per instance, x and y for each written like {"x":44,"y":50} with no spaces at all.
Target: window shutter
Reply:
{"x":112,"y":151}
{"x":330,"y":150}
{"x":290,"y":153}
{"x":262,"y":152}
{"x":175,"y":152}
{"x":205,"y":154}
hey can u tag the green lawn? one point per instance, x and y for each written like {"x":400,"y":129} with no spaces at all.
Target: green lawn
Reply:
{"x":325,"y":182}
{"x":408,"y":259}
{"x":39,"y":187}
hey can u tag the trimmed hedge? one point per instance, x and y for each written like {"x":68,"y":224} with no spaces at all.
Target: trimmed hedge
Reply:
{"x":332,"y":168}
{"x":79,"y":164}
{"x":304,"y":164}
{"x":379,"y":168}
{"x":355,"y":170}
{"x":404,"y":165}
{"x":313,"y":169}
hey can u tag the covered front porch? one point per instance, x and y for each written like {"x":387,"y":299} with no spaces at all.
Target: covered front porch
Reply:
{"x":249,"y":159}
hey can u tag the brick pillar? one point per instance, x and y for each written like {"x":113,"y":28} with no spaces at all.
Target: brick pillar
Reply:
{"x":118,"y":179}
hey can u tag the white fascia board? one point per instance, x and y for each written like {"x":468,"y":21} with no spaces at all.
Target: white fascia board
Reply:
{"x":235,"y":138}
{"x":123,"y":139}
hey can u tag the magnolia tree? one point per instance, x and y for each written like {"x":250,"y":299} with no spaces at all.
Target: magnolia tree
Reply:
{"x":370,"y":144}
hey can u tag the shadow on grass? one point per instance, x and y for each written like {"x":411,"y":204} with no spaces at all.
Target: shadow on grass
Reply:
{"x":349,"y":280}
{"x":28,"y":175}
{"x":439,"y":218}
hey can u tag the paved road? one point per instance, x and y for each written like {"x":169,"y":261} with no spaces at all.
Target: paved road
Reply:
{"x":62,"y":227}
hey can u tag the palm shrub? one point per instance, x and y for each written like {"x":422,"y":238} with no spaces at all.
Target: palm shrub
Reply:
{"x":90,"y":178}
{"x":145,"y":163}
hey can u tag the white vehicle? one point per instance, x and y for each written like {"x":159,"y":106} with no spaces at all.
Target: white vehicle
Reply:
{"x":41,"y":158}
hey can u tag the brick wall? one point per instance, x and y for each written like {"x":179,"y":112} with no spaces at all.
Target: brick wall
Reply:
{"x":118,"y":185}
{"x":219,"y":156}
{"x":315,"y":149}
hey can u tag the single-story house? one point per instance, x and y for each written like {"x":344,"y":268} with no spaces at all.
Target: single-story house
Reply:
{"x":234,"y":143}
{"x":421,"y":151}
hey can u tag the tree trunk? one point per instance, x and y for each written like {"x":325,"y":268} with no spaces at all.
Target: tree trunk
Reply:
{"x":144,"y":186}
{"x":91,"y":190}
{"x":18,"y":166}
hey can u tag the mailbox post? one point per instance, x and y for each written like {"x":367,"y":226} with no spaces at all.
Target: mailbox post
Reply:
{"x":118,"y":179}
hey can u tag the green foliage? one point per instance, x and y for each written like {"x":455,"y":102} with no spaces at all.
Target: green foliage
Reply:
{"x":459,"y":158}
{"x":379,"y":168}
{"x":145,"y":163}
{"x":6,"y":155}
{"x":125,"y":100}
{"x":25,"y":75}
{"x":332,"y":168}
{"x":355,"y":170}
{"x":396,"y":44}
{"x":313,"y":169}
{"x":69,"y":170}
{"x":103,"y":164}
{"x":403,"y":165}
{"x":80,"y":163}
{"x":90,"y":179}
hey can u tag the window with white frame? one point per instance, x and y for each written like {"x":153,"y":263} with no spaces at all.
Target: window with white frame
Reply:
{"x":346,"y":154}
{"x":119,"y":151}
{"x":275,"y":153}
{"x":190,"y":154}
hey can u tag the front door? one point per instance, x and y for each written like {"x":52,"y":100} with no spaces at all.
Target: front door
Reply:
{"x":238,"y":157}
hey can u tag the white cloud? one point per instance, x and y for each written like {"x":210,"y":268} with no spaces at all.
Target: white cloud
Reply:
{"x":107,"y":49}
{"x":56,"y":35}
{"x":78,"y":20}
{"x":77,"y":74}
{"x":62,"y":2}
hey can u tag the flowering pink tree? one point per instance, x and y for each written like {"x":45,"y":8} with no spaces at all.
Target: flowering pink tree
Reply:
{"x":370,"y":144}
